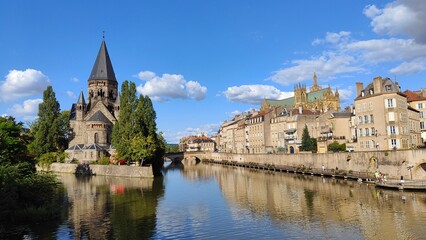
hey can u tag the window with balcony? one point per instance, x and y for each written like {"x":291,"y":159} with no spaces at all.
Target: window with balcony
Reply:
{"x":361,"y":133}
{"x":360,"y":119}
{"x":367,"y":132}
{"x":366,"y":119}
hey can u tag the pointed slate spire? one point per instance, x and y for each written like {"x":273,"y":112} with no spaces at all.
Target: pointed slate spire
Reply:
{"x":81,"y":99}
{"x":102,"y":69}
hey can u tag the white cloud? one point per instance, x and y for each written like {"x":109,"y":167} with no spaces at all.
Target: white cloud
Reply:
{"x":407,"y":17}
{"x":254,"y":94}
{"x":326,"y":65}
{"x":146,"y":75}
{"x":346,"y":95}
{"x":170,"y":86}
{"x":208,"y":129}
{"x":23,"y":83}
{"x":387,"y":50}
{"x":28,"y":110}
{"x":333,"y":38}
{"x":234,"y":113}
{"x":71,"y":94}
{"x":409,"y":67}
{"x":74,"y":79}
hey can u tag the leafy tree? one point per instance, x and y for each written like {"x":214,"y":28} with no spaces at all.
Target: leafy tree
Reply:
{"x":47,"y":130}
{"x":336,"y":147}
{"x":12,"y":143}
{"x":124,"y":130}
{"x":25,"y":195}
{"x":64,"y":126}
{"x":135,"y":134}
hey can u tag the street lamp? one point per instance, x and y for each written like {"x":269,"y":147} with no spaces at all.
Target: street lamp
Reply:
{"x":410,"y":167}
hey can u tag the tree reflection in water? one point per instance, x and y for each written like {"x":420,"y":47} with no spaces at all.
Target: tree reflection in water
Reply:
{"x":104,"y":207}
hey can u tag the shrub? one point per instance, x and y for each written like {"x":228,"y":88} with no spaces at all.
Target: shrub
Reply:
{"x":103,"y":161}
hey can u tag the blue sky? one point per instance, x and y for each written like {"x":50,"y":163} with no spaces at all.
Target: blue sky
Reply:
{"x":204,"y":61}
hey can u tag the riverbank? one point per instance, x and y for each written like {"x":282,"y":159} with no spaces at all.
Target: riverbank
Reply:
{"x":410,"y":164}
{"x":358,"y":176}
{"x":106,"y":170}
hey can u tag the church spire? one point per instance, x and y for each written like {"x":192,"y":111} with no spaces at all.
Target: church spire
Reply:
{"x":81,"y":99}
{"x":102,"y":69}
{"x":315,"y":87}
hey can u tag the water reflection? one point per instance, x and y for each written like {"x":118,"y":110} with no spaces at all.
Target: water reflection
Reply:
{"x":215,"y":202}
{"x":319,"y":207}
{"x":104,"y":207}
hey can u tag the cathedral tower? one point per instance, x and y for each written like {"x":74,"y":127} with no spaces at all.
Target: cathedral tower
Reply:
{"x":91,"y":123}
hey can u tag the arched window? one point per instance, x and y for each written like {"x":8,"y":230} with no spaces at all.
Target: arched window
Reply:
{"x":96,"y":138}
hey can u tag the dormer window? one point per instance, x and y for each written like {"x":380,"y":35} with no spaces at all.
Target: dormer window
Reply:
{"x":371,"y":91}
{"x":362,"y":93}
{"x":388,"y":87}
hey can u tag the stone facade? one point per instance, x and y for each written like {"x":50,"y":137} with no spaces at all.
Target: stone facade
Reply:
{"x":383,"y":116}
{"x":91,"y":122}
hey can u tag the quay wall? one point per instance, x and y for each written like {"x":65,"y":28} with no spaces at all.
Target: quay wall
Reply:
{"x":106,"y":170}
{"x":392,"y":163}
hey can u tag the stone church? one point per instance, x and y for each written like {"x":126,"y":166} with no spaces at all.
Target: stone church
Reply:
{"x":91,"y":120}
{"x":317,"y":99}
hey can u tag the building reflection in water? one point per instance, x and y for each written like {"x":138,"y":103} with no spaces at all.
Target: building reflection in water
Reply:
{"x":103,"y":207}
{"x":330,"y":205}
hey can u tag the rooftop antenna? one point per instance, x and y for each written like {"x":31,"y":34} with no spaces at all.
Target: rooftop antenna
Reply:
{"x":103,"y":34}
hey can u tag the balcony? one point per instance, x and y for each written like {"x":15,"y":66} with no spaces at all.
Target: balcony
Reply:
{"x":290,"y":131}
{"x":289,"y":137}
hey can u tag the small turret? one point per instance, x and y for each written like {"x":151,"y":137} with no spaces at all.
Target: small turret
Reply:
{"x":81,"y":107}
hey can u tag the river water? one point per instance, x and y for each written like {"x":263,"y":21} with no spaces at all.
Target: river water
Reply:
{"x":217,"y":202}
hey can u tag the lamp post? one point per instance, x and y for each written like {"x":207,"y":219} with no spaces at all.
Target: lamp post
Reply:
{"x":410,"y":167}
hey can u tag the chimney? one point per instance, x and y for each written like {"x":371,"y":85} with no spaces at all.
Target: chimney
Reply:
{"x":377,"y":84}
{"x":359,"y":88}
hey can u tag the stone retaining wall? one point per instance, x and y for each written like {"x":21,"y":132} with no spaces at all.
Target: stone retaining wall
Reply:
{"x":106,"y":170}
{"x":392,"y":163}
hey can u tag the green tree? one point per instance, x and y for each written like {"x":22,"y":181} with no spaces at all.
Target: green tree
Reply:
{"x":47,"y":130}
{"x":124,"y":130}
{"x":64,"y":126}
{"x":135,"y":134}
{"x":25,"y":194}
{"x":306,"y":140}
{"x":12,"y":142}
{"x":336,"y":147}
{"x":308,"y":143}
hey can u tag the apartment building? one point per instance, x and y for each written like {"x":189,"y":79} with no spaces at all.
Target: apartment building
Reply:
{"x":197,"y":143}
{"x":381,"y":111}
{"x":259,"y":132}
{"x":287,"y":128}
{"x":333,"y":126}
{"x":417,"y":100}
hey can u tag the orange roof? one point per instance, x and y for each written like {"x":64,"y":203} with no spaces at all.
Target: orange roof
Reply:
{"x":412,"y":96}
